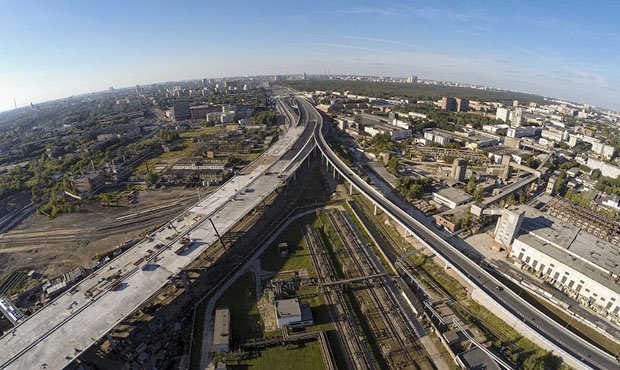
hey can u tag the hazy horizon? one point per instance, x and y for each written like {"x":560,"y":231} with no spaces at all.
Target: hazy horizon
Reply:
{"x":61,"y":49}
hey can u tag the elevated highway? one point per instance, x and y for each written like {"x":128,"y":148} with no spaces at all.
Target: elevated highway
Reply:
{"x":55,"y":335}
{"x":518,"y":313}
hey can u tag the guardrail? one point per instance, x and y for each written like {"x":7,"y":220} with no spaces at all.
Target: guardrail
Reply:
{"x":378,"y":198}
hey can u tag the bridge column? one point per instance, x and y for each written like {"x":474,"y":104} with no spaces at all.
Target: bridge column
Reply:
{"x":375,"y":211}
{"x":334,"y":172}
{"x":350,"y":188}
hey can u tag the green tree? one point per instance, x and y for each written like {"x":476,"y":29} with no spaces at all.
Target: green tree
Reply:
{"x":560,"y":183}
{"x":471,"y":185}
{"x":478,"y":194}
{"x":392,"y":166}
{"x":414,"y":191}
{"x":151,"y":179}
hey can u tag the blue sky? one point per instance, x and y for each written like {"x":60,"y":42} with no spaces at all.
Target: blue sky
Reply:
{"x":565,"y":49}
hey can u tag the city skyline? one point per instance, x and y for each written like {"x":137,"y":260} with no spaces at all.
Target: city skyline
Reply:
{"x":567,"y":51}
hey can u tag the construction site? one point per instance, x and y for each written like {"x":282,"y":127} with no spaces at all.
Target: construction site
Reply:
{"x":136,"y":341}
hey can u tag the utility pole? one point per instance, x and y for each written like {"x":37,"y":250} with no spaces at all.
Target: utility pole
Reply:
{"x":219,"y":237}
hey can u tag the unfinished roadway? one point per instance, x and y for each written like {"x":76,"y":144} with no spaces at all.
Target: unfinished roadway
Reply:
{"x":55,"y":335}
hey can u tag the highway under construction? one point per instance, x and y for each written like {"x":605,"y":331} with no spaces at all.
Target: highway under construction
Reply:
{"x":57,"y":334}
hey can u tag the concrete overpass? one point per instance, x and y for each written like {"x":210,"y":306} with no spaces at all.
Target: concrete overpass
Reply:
{"x":55,"y":335}
{"x":518,"y":313}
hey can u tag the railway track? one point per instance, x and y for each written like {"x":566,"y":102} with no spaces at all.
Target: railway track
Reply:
{"x":389,"y":315}
{"x":355,"y":350}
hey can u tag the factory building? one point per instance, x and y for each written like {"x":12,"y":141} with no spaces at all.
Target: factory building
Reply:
{"x":292,"y":313}
{"x":582,"y":265}
{"x":88,"y":183}
{"x":451,"y":197}
{"x":459,"y":169}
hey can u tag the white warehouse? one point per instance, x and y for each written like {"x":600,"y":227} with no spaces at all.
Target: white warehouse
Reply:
{"x":580,"y":264}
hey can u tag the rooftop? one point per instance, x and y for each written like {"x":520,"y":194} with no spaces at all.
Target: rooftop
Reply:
{"x":288,"y":307}
{"x":221,"y":332}
{"x":453,"y":194}
{"x":572,"y":246}
{"x":477,"y":359}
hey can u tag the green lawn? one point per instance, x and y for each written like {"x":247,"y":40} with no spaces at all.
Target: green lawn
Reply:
{"x":299,"y":256}
{"x":245,"y":319}
{"x":302,"y":356}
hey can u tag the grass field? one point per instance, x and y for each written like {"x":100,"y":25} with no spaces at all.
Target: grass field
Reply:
{"x":210,"y":130}
{"x":298,"y":258}
{"x":302,"y":356}
{"x":245,"y":319}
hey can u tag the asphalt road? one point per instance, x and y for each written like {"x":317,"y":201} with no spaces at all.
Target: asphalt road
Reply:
{"x":586,"y":353}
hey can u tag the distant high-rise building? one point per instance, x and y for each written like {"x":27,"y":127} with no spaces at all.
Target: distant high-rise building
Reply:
{"x":303,"y":76}
{"x":501,"y":114}
{"x":181,"y":109}
{"x":412,"y":79}
{"x":459,"y":169}
{"x":462,"y":105}
{"x":448,"y":104}
{"x":516,"y":117}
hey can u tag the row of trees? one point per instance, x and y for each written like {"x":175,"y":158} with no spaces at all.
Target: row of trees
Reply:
{"x":266,"y":117}
{"x":412,"y":188}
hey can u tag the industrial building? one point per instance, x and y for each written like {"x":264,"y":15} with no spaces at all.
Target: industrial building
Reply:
{"x":451,"y":197}
{"x":459,"y":169}
{"x":63,"y":282}
{"x":581,"y":264}
{"x":8,"y":309}
{"x":292,"y":313}
{"x":207,"y":173}
{"x":221,"y":331}
{"x":88,"y":183}
{"x":396,"y":133}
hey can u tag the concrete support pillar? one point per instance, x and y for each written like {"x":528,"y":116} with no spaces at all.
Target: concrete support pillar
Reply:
{"x":375,"y":211}
{"x":334,"y":172}
{"x":447,"y":266}
{"x":350,"y":188}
